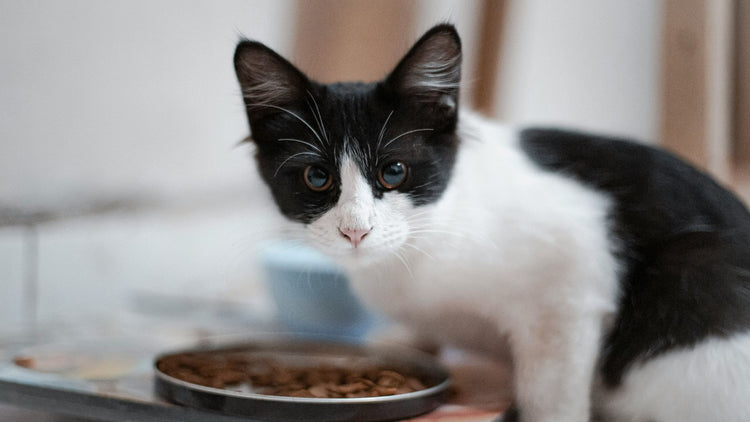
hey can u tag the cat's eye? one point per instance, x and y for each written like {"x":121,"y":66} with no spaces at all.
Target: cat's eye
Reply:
{"x":392,"y":175}
{"x":317,"y":179}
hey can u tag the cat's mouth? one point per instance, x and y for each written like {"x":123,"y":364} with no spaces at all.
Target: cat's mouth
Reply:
{"x":360,"y":250}
{"x":358,"y":259}
{"x":366,"y":251}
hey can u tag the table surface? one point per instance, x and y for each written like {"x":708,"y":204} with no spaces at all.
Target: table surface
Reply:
{"x":104,"y":372}
{"x":13,"y":414}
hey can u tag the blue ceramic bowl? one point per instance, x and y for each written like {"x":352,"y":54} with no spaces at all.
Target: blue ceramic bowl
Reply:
{"x":312,"y":294}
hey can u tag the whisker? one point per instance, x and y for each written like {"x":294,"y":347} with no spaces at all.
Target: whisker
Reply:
{"x":403,"y":261}
{"x":424,"y":185}
{"x":451,"y":242}
{"x":301,"y":142}
{"x":404,"y":134}
{"x":290,"y":157}
{"x":293,"y":114}
{"x":437,"y":230}
{"x":382,"y":130}
{"x":318,"y":119}
{"x":418,"y":249}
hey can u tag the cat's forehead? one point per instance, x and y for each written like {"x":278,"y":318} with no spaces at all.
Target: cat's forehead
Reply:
{"x":352,"y":98}
{"x":353,"y":110}
{"x":349,"y":89}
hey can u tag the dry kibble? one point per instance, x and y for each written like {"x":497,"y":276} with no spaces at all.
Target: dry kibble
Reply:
{"x":267,"y":376}
{"x":299,"y":393}
{"x":319,"y":390}
{"x":24,"y":361}
{"x":231,"y":377}
{"x":386,"y":391}
{"x":390,"y":379}
{"x":352,"y":388}
{"x":414,"y":384}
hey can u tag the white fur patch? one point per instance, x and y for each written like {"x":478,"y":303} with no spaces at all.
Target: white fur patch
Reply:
{"x":710,"y":382}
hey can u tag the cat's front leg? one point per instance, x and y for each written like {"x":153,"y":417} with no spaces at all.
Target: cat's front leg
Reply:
{"x":554,"y":363}
{"x":395,"y":333}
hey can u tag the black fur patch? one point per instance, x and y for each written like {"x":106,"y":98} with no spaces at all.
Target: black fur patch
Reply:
{"x":684,"y":242}
{"x":408,"y":117}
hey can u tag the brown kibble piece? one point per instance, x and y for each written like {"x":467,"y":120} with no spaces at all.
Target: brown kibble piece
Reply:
{"x":390,"y":379}
{"x":231,"y":377}
{"x":414,"y":384}
{"x":385,"y":391}
{"x":319,"y":390}
{"x":351,"y":388}
{"x":300,"y":393}
{"x":24,"y":361}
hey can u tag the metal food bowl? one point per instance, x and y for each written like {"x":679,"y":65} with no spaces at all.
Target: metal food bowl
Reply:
{"x":283,"y":408}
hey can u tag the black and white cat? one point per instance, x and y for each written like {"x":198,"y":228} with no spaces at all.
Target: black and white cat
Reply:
{"x":618,"y":275}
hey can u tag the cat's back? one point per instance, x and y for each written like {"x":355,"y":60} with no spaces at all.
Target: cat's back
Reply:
{"x":683,"y":241}
{"x":664,"y":194}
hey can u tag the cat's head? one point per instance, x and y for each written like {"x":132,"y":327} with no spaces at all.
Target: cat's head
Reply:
{"x":357,"y":165}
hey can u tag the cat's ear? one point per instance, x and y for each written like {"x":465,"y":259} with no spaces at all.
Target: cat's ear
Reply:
{"x":431,"y":71}
{"x":268,"y":81}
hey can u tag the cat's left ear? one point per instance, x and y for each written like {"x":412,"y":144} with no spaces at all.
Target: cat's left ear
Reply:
{"x":269,"y":82}
{"x":431,"y":71}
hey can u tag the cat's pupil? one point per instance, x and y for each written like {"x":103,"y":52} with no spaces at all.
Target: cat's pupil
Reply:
{"x":316,"y":178}
{"x":392,"y":175}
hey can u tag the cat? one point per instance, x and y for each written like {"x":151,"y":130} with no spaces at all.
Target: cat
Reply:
{"x":617,"y":274}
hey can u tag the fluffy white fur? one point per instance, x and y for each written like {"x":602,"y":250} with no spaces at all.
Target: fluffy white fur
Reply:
{"x":513,"y":255}
{"x":710,"y":382}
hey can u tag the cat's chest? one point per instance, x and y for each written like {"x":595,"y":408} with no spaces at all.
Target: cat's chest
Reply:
{"x":425,"y":284}
{"x":499,"y":251}
{"x":421,"y":295}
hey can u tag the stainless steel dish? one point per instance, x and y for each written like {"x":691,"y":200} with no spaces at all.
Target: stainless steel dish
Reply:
{"x":282,"y":408}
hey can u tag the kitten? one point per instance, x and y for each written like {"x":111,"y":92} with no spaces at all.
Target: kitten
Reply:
{"x":618,"y":275}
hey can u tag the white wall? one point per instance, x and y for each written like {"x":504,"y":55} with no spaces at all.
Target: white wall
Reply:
{"x":127,"y":100}
{"x":590,"y":64}
{"x":113,"y":98}
{"x":138,"y":98}
{"x":107,"y":100}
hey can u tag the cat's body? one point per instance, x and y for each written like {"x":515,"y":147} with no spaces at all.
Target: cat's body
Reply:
{"x":618,"y":276}
{"x":535,"y":229}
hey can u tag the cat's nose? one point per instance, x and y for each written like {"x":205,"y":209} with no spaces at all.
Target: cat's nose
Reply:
{"x":354,"y":236}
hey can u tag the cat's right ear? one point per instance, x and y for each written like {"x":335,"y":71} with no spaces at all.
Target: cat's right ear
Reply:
{"x":430,"y":73}
{"x":269,"y":82}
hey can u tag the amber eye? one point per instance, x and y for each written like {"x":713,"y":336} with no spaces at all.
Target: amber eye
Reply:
{"x":392,"y":175}
{"x":317,"y":179}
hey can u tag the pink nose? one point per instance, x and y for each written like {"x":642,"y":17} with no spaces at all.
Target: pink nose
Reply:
{"x":355,"y":236}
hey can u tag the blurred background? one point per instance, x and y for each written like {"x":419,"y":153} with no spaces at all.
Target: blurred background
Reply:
{"x":122,"y":185}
